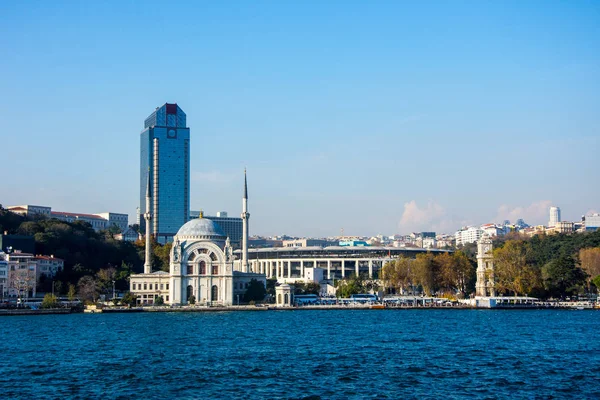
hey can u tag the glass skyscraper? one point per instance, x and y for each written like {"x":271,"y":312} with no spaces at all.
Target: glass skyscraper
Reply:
{"x":165,"y":155}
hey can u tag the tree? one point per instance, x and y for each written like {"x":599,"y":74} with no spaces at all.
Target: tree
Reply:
{"x":347,"y":287}
{"x":256,"y":291}
{"x":192,"y":299}
{"x":159,"y":301}
{"x":562,"y":277}
{"x":129,"y":299}
{"x":50,"y":301}
{"x":162,"y":256}
{"x":88,"y":289}
{"x":513,"y":269}
{"x":426,"y":273}
{"x":589,"y":260}
{"x":398,"y":274}
{"x":271,"y":283}
{"x":104,"y":280}
{"x":72,"y":292}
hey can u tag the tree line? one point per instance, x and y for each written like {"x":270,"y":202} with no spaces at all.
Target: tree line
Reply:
{"x":544,"y":266}
{"x":450,"y":274}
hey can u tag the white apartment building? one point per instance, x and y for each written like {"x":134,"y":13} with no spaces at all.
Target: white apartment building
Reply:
{"x":469,"y":234}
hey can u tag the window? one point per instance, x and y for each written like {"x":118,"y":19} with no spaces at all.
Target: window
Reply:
{"x":215,"y":270}
{"x":167,"y":286}
{"x":202,"y":267}
{"x":190,"y":269}
{"x":133,"y":286}
{"x":213,"y":256}
{"x":145,"y":286}
{"x":161,"y":286}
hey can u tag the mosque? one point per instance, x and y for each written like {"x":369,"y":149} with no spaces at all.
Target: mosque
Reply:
{"x":202,"y":268}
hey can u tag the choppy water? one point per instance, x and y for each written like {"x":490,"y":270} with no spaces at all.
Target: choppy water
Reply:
{"x":425,"y":354}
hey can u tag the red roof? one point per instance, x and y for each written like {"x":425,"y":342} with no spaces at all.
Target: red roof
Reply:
{"x":17,"y":209}
{"x":75,"y":215}
{"x":48,"y":258}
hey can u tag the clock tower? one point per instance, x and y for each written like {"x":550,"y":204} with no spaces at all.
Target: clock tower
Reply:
{"x":485,"y":268}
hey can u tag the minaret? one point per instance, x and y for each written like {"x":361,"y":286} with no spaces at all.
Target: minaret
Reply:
{"x":148,"y":217}
{"x":245,"y":218}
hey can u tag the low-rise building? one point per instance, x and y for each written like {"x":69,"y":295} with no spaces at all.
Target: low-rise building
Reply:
{"x":305,"y":243}
{"x":121,"y":221}
{"x":592,"y":222}
{"x":128,"y":235}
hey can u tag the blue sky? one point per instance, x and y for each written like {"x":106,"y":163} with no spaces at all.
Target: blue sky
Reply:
{"x":374,"y":117}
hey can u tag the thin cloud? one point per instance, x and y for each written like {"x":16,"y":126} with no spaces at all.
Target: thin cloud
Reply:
{"x":430,"y":217}
{"x":211,"y":177}
{"x":535,"y":213}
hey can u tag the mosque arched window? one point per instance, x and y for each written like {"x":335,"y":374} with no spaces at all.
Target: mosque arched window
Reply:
{"x":213,"y":256}
{"x":190,"y":269}
{"x":215,"y":270}
{"x":202,"y":268}
{"x":214,"y":293}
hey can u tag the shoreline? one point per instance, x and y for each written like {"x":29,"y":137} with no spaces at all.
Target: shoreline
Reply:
{"x":184,"y":309}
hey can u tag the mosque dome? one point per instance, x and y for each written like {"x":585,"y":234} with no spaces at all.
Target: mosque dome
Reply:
{"x":201,"y":228}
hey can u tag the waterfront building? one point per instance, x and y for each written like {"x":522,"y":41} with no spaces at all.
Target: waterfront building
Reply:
{"x":24,"y":271}
{"x":469,"y":234}
{"x":289,"y":264}
{"x":484,"y":286}
{"x":165,"y":158}
{"x":202,"y":267}
{"x":231,"y":226}
{"x":3,"y":278}
{"x":554,"y":216}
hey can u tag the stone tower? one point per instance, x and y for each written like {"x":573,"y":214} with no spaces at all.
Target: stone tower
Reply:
{"x":485,"y":268}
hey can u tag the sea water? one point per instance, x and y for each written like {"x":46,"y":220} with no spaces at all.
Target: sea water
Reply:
{"x":336,"y":354}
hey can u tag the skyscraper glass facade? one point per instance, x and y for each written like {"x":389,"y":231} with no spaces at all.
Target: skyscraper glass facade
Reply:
{"x":165,"y":155}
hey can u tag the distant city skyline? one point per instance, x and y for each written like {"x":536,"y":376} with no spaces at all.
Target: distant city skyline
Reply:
{"x":385,"y":117}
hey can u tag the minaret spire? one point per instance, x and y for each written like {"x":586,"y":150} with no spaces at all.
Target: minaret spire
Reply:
{"x":245,"y":185}
{"x":245,"y":218}
{"x":148,"y":217}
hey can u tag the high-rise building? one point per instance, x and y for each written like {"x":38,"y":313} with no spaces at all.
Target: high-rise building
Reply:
{"x":554,"y":216}
{"x":231,"y":226}
{"x":165,"y":156}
